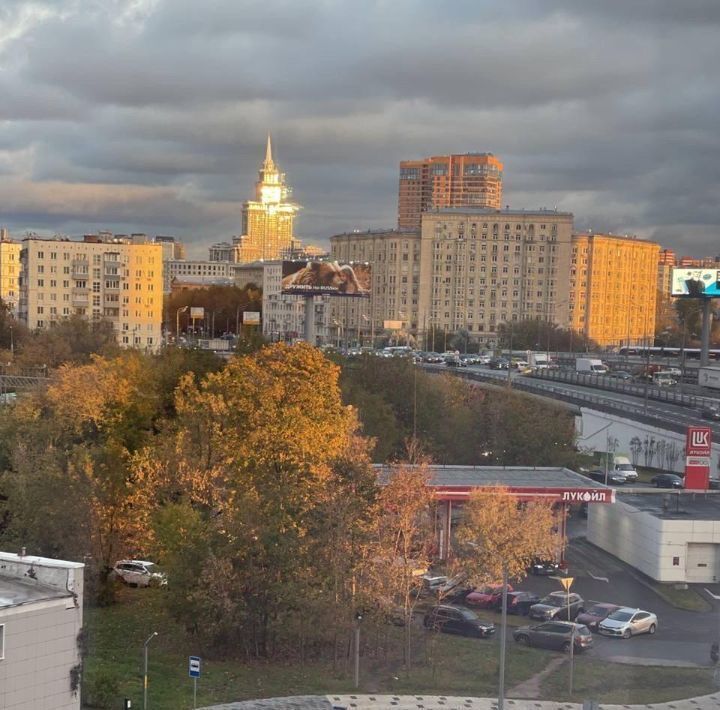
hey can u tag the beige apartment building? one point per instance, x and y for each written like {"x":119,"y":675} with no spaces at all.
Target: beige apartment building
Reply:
{"x":9,"y":271}
{"x":483,"y":267}
{"x":613,"y":287}
{"x":99,"y":278}
{"x":395,"y":289}
{"x":468,"y":268}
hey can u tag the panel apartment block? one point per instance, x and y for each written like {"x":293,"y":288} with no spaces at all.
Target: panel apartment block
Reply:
{"x":613,"y":288}
{"x":114,"y":280}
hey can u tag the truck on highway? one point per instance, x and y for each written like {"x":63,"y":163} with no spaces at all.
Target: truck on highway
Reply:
{"x":709,"y":377}
{"x":540,"y":361}
{"x":590,"y":365}
{"x":616,"y":463}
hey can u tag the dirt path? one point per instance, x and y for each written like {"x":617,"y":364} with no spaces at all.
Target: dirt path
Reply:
{"x":530,"y":688}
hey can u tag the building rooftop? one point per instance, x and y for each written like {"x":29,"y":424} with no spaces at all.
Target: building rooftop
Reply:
{"x":675,"y":505}
{"x":15,"y":592}
{"x":511,"y":476}
{"x":489,"y":211}
{"x":390,"y":232}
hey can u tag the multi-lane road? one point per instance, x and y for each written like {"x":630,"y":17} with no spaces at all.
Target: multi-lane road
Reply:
{"x":668,"y":414}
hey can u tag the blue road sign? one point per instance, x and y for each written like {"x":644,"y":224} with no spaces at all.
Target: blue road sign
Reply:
{"x":194,"y":667}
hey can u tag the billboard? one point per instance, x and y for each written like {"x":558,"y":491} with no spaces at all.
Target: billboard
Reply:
{"x":392,"y":324}
{"x":330,"y":278}
{"x":251,"y":318}
{"x":696,"y":283}
{"x":698,"y":449}
{"x":197,"y":312}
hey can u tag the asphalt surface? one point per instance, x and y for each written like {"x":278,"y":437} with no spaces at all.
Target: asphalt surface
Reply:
{"x":682,"y":638}
{"x":632,"y":404}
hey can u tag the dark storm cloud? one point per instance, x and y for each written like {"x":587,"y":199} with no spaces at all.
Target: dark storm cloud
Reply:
{"x":150,"y":115}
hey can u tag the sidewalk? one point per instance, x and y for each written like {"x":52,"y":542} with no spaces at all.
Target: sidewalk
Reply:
{"x":441,"y":702}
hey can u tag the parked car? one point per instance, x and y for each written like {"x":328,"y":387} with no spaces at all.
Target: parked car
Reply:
{"x":626,"y":622}
{"x":139,"y":573}
{"x":595,"y":614}
{"x":486,"y":597}
{"x":451,"y":586}
{"x":667,"y":480}
{"x":555,"y":634}
{"x":544,"y":567}
{"x":454,"y":620}
{"x":518,"y":602}
{"x":557,"y":605}
{"x":711,"y":414}
{"x":614,"y":478}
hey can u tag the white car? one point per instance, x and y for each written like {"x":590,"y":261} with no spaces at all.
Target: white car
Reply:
{"x":627,"y":622}
{"x":140,"y":573}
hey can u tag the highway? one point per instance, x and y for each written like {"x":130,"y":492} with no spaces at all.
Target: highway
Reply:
{"x":667,"y":414}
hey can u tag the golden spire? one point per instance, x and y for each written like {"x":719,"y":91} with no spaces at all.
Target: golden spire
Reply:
{"x":268,"y":164}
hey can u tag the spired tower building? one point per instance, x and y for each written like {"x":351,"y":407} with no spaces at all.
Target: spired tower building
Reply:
{"x":267,"y":221}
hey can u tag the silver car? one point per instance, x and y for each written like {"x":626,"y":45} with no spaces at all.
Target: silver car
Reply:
{"x":627,"y":622}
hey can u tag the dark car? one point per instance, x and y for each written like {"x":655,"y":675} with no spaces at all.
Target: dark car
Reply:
{"x":595,"y":614}
{"x":455,"y":362}
{"x":555,"y":634}
{"x":518,"y":602}
{"x":433,"y":358}
{"x":667,"y":480}
{"x":557,"y":605}
{"x":454,"y":620}
{"x":711,"y":413}
{"x":620,"y":375}
{"x":544,"y":567}
{"x":614,"y":478}
{"x":498,"y":363}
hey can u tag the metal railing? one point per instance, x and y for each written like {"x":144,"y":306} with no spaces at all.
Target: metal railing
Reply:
{"x":604,"y":382}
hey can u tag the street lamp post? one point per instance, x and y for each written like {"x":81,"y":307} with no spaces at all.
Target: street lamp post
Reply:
{"x":145,"y":675}
{"x":177,"y":322}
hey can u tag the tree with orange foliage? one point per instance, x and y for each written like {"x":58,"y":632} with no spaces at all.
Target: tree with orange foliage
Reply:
{"x":498,"y":539}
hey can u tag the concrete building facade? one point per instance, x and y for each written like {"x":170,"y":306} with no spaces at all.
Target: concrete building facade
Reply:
{"x":466,"y":180}
{"x":395,"y":281}
{"x":41,"y":616}
{"x":480,"y":268}
{"x":9,"y":272}
{"x":669,"y":537}
{"x":98,"y":278}
{"x":199,"y":271}
{"x":613,"y":288}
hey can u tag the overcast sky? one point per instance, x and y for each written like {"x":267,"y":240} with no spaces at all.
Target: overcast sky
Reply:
{"x":151,"y":115}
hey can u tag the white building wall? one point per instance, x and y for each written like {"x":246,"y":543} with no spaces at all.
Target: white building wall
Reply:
{"x":593,"y":433}
{"x":655,"y":546}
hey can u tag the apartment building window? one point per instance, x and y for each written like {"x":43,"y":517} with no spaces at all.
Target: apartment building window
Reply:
{"x":41,"y":283}
{"x":41,"y":255}
{"x":96,"y":287}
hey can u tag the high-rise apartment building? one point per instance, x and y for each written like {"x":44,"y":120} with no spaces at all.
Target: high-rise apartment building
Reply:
{"x":480,"y":268}
{"x":467,"y":180}
{"x":395,"y":281}
{"x":267,"y":221}
{"x":99,"y":278}
{"x":613,"y":288}
{"x":9,"y":271}
{"x":469,"y":269}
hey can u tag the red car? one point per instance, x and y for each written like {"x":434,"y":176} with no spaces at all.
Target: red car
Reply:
{"x":487,"y":597}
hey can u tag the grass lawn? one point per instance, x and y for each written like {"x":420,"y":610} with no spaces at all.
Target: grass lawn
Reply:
{"x":689,"y":599}
{"x":626,"y":684}
{"x":113,"y":669}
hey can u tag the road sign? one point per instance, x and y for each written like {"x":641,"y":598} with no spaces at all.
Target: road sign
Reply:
{"x":566,"y":582}
{"x":699,"y":441}
{"x":194,"y":667}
